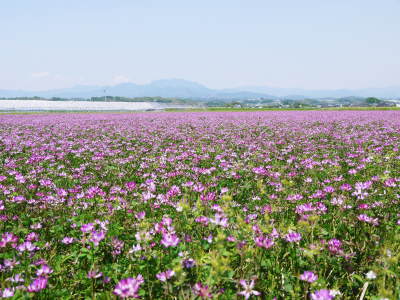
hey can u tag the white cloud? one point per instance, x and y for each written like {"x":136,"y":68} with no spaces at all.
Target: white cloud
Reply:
{"x":58,"y":77}
{"x":40,"y":74}
{"x":120,"y":79}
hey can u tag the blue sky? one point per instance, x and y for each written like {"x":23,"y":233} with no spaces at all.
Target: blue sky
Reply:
{"x":220,"y":43}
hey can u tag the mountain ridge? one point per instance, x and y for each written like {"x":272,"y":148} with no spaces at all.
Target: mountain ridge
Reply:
{"x":180,"y":88}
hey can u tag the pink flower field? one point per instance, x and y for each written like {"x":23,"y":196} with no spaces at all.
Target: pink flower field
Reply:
{"x":213,"y":205}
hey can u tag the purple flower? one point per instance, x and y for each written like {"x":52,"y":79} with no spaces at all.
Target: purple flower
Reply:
{"x":94,"y":274}
{"x":129,"y":287}
{"x":164,"y":276}
{"x":293,"y":237}
{"x":106,"y":279}
{"x":87,"y":227}
{"x":335,"y":246}
{"x":135,"y":248}
{"x":231,"y":238}
{"x":323,"y":295}
{"x":27,"y":246}
{"x":329,"y":189}
{"x":189,"y":263}
{"x":208,"y":197}
{"x":140,"y":215}
{"x":264,"y":242}
{"x":345,"y":187}
{"x":202,"y":291}
{"x":295,"y":197}
{"x":8,"y":263}
{"x":130,"y":185}
{"x":224,"y":190}
{"x":391,"y":182}
{"x":33,"y":236}
{"x":7,"y":293}
{"x":248,"y":289}
{"x":97,"y":237}
{"x":166,"y":221}
{"x":67,"y":240}
{"x":220,"y":220}
{"x":209,"y":239}
{"x":169,"y":240}
{"x":16,"y":278}
{"x":367,"y":219}
{"x":309,"y":276}
{"x":37,"y":285}
{"x":44,"y":270}
{"x":335,"y":243}
{"x":203,"y":220}
{"x":6,"y":238}
{"x":117,"y":245}
{"x":274,"y":234}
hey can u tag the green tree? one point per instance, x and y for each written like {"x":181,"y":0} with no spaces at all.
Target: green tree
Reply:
{"x":372,"y":100}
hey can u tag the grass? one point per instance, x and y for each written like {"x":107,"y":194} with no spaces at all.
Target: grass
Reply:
{"x":281,"y":109}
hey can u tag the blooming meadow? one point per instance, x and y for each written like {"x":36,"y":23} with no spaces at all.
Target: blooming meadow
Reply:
{"x":224,"y":205}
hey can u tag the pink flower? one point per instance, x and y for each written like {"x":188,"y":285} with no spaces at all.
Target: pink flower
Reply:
{"x":130,"y":185}
{"x":37,"y":285}
{"x":293,"y":237}
{"x":94,"y":274}
{"x":367,"y":219}
{"x":264,"y":242}
{"x":309,"y":276}
{"x":231,"y":238}
{"x":345,"y":187}
{"x":323,"y":295}
{"x":87,"y":227}
{"x":67,"y":240}
{"x":203,"y":220}
{"x":224,"y":190}
{"x":33,"y":236}
{"x":164,"y":276}
{"x":27,"y":246}
{"x":329,"y":189}
{"x":140,"y":215}
{"x":169,"y":240}
{"x":16,"y":278}
{"x":248,"y":289}
{"x":44,"y":270}
{"x":209,"y":239}
{"x":189,"y":263}
{"x":8,"y":263}
{"x":220,"y":220}
{"x":7,"y":293}
{"x":334,"y":246}
{"x":135,"y":248}
{"x":97,"y":237}
{"x":129,"y":287}
{"x":274,"y":234}
{"x":295,"y":197}
{"x":202,"y":291}
{"x":391,"y":182}
{"x":8,"y":237}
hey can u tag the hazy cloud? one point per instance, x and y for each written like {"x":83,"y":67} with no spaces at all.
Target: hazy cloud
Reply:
{"x":120,"y":79}
{"x":40,"y":74}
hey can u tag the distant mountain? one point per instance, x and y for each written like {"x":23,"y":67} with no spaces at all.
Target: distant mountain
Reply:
{"x":179,"y":88}
{"x":388,"y":92}
{"x":167,"y":88}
